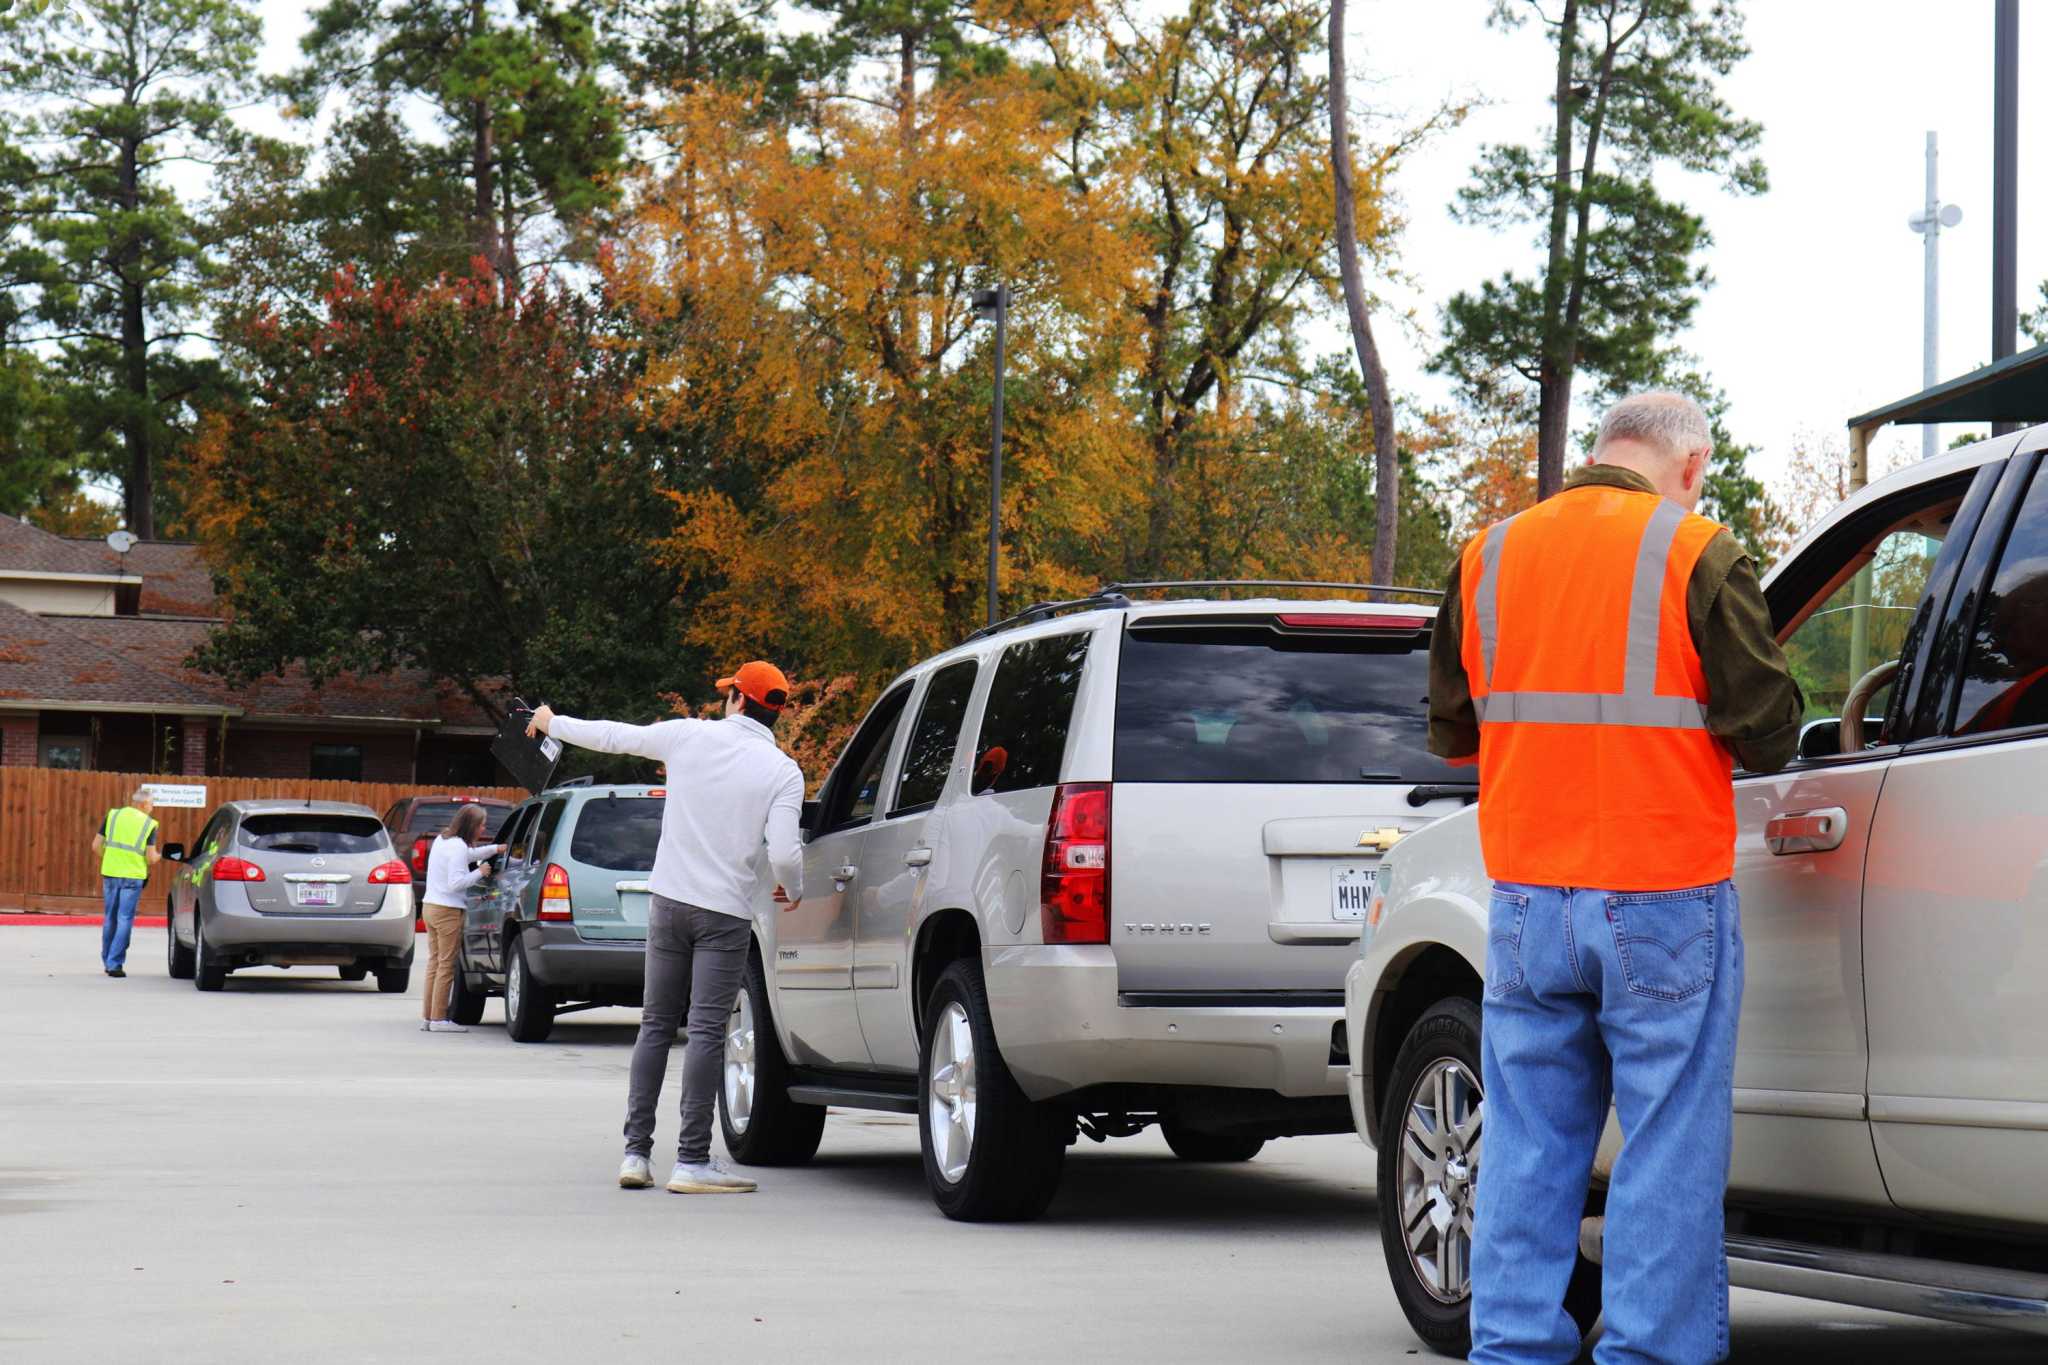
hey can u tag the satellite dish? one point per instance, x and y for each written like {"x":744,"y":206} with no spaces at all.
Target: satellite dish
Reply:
{"x":121,"y":542}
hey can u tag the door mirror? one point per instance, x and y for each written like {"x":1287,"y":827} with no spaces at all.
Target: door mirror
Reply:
{"x":1820,"y":738}
{"x":808,"y":821}
{"x":175,"y":852}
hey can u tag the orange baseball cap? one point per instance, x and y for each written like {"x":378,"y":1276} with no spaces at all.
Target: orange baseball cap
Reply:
{"x":761,"y":683}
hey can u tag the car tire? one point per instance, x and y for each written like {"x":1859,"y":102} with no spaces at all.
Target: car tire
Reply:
{"x":1443,"y":1042}
{"x":355,"y":971}
{"x":1190,"y":1145}
{"x":394,"y":980}
{"x":180,"y":963}
{"x":990,"y":1153}
{"x":769,"y":1128}
{"x":209,"y":973}
{"x":529,"y":1006}
{"x":465,"y":1005}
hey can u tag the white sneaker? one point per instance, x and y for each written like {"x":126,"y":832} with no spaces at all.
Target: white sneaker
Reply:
{"x":445,"y":1026}
{"x":709,"y":1178}
{"x":634,"y":1173}
{"x":426,"y":1026}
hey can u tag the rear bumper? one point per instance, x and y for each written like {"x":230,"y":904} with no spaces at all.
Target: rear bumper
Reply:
{"x":1063,"y":1028}
{"x":233,"y":928}
{"x":564,"y":962}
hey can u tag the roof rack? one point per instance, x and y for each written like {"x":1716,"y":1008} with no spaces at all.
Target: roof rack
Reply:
{"x":1165,"y":584}
{"x":584,"y":781}
{"x":1045,"y":611}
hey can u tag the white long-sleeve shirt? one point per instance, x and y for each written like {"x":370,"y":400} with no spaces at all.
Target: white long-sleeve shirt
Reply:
{"x":449,"y":870}
{"x":730,"y":791}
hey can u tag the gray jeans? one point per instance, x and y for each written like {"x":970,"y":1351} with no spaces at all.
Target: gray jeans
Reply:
{"x":695,"y":958}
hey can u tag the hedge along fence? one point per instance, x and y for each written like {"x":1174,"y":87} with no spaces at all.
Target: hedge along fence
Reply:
{"x":49,"y":815}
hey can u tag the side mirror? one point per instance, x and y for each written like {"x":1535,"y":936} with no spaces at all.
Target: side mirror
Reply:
{"x":174,"y":852}
{"x":1820,"y":739}
{"x":808,"y":821}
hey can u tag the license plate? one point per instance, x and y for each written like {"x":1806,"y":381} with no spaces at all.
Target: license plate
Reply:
{"x":316,"y":893}
{"x":1351,"y":890}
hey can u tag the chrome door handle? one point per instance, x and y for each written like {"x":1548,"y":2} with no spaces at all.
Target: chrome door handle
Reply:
{"x":845,"y":872}
{"x":918,"y":857}
{"x":1807,"y":831}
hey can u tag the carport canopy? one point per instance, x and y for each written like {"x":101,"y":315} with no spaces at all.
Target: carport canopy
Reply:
{"x":2014,"y":389}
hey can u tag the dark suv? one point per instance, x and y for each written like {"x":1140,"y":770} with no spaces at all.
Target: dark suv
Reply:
{"x":414,"y":821}
{"x":561,"y":924}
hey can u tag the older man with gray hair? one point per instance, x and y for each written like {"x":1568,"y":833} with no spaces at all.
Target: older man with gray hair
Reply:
{"x":1606,"y":658}
{"x":126,"y":843}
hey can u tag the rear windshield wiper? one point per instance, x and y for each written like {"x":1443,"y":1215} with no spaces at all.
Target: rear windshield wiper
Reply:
{"x":1433,"y":791}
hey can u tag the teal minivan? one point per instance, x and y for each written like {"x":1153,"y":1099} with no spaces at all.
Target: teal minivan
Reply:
{"x":561,"y":922}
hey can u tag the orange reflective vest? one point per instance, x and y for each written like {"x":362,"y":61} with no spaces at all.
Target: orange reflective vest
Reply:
{"x":1595,"y":765}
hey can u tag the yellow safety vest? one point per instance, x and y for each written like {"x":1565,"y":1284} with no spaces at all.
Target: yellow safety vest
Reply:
{"x":126,"y":832}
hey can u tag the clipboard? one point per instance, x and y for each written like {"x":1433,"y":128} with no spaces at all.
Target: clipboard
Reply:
{"x":530,"y":761}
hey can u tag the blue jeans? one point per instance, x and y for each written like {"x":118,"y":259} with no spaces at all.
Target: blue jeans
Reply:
{"x":1578,"y":982}
{"x":121,"y":894}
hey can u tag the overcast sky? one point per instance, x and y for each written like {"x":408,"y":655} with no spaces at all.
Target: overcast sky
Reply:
{"x":1816,"y":313}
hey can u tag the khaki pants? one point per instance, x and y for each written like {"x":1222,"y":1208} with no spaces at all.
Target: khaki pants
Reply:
{"x":444,"y":933}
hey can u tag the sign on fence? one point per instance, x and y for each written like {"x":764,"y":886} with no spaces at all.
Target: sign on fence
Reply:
{"x":177,"y":795}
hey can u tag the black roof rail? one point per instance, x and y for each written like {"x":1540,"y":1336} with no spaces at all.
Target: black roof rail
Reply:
{"x":1165,"y":584}
{"x":586,"y":780}
{"x":1045,"y":611}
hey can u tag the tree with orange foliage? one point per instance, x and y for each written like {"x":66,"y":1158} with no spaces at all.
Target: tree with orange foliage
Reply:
{"x":817,"y":291}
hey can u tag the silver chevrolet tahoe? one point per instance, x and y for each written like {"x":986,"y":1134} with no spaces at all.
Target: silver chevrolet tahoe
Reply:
{"x":1891,"y":1075}
{"x":1097,"y":868}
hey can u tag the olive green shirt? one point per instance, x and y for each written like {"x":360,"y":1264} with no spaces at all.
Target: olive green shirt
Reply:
{"x":1753,"y":706}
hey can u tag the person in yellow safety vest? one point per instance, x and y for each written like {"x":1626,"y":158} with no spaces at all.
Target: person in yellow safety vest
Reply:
{"x":126,"y":843}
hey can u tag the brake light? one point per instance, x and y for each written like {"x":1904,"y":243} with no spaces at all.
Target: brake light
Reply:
{"x":554,"y":894}
{"x":236,"y":870}
{"x":419,"y":855}
{"x":393,"y":873}
{"x":1073,"y":889}
{"x":659,"y":791}
{"x":1350,"y":620}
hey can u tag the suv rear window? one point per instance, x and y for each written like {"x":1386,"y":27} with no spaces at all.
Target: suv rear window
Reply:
{"x":1249,"y":703}
{"x":313,"y":833}
{"x":1030,"y":703}
{"x":618,"y":833}
{"x":431,"y":817}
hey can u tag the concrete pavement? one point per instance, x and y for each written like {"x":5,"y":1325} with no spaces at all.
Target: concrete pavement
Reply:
{"x":290,"y":1171}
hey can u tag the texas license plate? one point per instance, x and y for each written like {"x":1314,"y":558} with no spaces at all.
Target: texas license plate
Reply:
{"x":316,"y":893}
{"x":1351,"y":891}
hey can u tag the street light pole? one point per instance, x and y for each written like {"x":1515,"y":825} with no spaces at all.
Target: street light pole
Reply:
{"x":995,"y":303}
{"x":1932,"y":218}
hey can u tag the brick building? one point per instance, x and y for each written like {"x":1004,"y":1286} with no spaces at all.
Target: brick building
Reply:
{"x":92,"y":675}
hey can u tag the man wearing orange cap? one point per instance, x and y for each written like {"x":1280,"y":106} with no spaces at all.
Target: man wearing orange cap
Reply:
{"x":731,"y":790}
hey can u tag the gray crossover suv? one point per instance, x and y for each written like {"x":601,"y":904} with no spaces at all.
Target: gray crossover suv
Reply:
{"x":561,"y":924}
{"x":291,"y":884}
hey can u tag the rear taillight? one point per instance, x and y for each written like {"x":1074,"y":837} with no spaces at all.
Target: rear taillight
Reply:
{"x":1073,"y":890}
{"x":658,"y":791}
{"x":419,"y":855}
{"x":393,"y":873}
{"x":554,"y":894}
{"x":236,"y":870}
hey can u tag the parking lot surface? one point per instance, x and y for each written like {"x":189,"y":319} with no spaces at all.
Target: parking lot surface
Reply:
{"x":291,"y":1171}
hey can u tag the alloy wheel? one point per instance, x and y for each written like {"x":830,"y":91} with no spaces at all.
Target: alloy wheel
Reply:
{"x":1439,"y":1170}
{"x":739,"y":1063}
{"x":952,"y":1092}
{"x":515,"y":985}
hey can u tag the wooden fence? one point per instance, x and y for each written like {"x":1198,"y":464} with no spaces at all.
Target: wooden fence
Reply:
{"x":49,"y":815}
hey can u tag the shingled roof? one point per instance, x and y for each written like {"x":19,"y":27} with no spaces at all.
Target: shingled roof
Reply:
{"x":43,"y":659}
{"x":23,"y":546}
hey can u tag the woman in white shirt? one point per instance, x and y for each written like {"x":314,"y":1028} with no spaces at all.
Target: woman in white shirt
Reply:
{"x":450,"y":872}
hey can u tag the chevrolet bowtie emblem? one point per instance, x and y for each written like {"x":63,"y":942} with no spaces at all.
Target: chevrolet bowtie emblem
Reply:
{"x":1381,"y":839}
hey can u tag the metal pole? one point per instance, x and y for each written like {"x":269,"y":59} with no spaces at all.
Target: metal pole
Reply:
{"x":995,"y":464}
{"x":2005,"y":176}
{"x":1930,"y":340}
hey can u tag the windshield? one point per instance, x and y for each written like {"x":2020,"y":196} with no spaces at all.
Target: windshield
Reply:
{"x":313,"y":833}
{"x":618,"y":833}
{"x":1247,"y":703}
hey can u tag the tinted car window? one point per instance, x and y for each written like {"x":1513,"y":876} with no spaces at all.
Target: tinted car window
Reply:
{"x":618,"y":833}
{"x":544,"y":836}
{"x":1031,"y":701}
{"x":936,"y":735}
{"x":516,"y":837}
{"x":314,"y":833}
{"x":1253,"y":704}
{"x":431,"y":817}
{"x":857,"y":779}
{"x":2005,"y":681}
